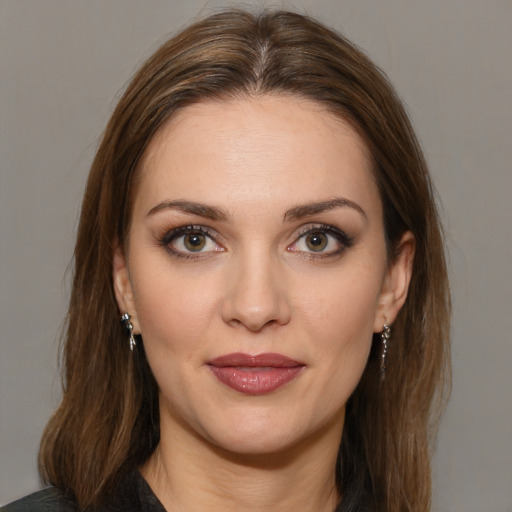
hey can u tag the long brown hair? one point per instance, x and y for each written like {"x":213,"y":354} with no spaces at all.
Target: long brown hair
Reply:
{"x":107,"y":423}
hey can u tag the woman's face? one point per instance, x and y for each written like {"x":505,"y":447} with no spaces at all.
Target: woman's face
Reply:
{"x":256,"y":271}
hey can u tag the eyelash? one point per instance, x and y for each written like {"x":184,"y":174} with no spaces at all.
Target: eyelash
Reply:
{"x":178,"y":232}
{"x":345,"y":241}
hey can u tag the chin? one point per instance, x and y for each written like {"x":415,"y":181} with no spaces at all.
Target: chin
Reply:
{"x":273,"y":434}
{"x":254,"y":447}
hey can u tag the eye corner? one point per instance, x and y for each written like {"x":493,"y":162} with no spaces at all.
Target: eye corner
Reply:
{"x":331,"y":235}
{"x":174,"y":241}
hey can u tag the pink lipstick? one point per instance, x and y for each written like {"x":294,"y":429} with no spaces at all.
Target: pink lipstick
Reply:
{"x":255,"y":375}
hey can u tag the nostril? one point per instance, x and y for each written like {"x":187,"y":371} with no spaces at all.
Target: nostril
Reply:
{"x":256,"y":320}
{"x":255,"y":298}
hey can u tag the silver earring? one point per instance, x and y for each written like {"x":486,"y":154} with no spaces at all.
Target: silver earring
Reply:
{"x":125,"y":320}
{"x":385,"y":336}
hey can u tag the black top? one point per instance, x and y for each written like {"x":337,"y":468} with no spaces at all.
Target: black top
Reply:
{"x":134,"y":495}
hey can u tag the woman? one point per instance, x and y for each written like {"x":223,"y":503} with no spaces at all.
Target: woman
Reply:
{"x":260,"y":217}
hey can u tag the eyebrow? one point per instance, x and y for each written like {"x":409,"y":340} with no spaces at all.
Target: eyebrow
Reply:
{"x":218,"y":214}
{"x":306,"y":210}
{"x":200,"y":209}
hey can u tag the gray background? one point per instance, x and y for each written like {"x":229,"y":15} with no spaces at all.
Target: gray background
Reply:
{"x":63,"y":63}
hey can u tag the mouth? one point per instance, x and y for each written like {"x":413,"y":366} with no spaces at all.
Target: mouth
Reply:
{"x":255,"y":375}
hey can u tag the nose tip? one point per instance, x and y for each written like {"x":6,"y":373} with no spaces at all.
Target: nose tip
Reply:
{"x":255,"y":299}
{"x":256,"y":318}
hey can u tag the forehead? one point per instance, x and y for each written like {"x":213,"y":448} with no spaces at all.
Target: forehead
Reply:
{"x":273,"y":149}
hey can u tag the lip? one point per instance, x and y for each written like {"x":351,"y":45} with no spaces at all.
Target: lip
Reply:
{"x":255,"y":374}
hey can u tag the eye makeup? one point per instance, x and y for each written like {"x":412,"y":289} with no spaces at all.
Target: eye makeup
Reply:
{"x":313,"y":241}
{"x":190,"y":242}
{"x":321,"y":241}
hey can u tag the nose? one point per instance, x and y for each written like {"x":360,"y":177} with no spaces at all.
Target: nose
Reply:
{"x":255,"y":296}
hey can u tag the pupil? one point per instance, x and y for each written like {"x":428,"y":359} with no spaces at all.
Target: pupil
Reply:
{"x":317,"y":242}
{"x":194,"y":241}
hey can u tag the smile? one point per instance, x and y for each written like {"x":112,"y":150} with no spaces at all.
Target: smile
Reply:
{"x":255,"y":375}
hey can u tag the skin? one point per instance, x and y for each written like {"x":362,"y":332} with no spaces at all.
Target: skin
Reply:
{"x":256,"y":286}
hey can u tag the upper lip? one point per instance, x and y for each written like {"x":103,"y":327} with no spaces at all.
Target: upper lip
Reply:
{"x":239,"y":359}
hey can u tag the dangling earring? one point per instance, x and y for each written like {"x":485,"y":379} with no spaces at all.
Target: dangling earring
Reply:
{"x":125,"y":320}
{"x":385,"y":336}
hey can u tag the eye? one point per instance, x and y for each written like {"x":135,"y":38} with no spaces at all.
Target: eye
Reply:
{"x":187,"y":240}
{"x":321,"y":241}
{"x":316,"y":242}
{"x":194,"y":242}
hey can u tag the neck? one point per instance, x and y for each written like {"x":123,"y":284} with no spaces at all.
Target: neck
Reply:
{"x":189,"y":475}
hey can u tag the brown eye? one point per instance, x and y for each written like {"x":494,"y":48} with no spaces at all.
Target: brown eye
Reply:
{"x":194,"y":242}
{"x":322,"y":241}
{"x":316,"y":242}
{"x":190,"y":242}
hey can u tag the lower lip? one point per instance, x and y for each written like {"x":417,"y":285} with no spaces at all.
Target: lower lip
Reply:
{"x":255,"y":380}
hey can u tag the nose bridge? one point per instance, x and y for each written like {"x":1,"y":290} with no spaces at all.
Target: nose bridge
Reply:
{"x":255,"y":295}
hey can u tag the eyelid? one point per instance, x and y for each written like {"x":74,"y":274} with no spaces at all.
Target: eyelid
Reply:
{"x":175,"y":233}
{"x":343,"y":239}
{"x":172,"y":233}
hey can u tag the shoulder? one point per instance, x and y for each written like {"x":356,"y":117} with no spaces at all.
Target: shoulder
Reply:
{"x":133,"y":495}
{"x":47,"y":500}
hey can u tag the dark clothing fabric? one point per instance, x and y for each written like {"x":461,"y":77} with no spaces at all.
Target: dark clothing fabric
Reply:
{"x":134,"y":495}
{"x":43,"y":501}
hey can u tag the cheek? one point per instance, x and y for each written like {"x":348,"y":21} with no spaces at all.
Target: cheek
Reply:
{"x":174,"y":316}
{"x":340,"y":326}
{"x":339,"y":316}
{"x":174,"y":310}
{"x":345,"y":299}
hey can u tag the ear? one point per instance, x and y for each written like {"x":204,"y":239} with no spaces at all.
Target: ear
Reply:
{"x":123,"y":287}
{"x":396,"y":283}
